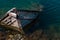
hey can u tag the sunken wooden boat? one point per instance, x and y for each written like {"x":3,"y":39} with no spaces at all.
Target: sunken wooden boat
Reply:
{"x":5,"y":21}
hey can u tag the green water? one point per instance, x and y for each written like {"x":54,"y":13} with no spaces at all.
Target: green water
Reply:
{"x":49,"y":18}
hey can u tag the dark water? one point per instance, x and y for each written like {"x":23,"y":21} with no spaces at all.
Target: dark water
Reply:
{"x":49,"y":17}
